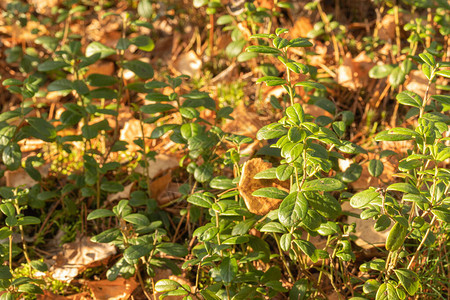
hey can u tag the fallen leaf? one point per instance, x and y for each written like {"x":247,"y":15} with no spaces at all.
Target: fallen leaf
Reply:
{"x":418,"y":83}
{"x":101,"y":67}
{"x":353,"y":72}
{"x":248,"y":185}
{"x":125,"y":194}
{"x":159,"y":185}
{"x":20,"y":177}
{"x":367,"y":236}
{"x":301,"y":27}
{"x":118,"y":289}
{"x":387,"y":28}
{"x":189,"y":64}
{"x":75,"y":257}
{"x":131,"y":131}
{"x":245,"y":122}
{"x":161,"y":164}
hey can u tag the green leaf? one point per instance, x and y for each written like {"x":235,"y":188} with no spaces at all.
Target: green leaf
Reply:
{"x":444,"y":73}
{"x":60,"y":85}
{"x":403,"y":187}
{"x":409,"y":280}
{"x":323,"y":184}
{"x":386,"y":291}
{"x":111,"y":187}
{"x":295,"y":114}
{"x":325,"y":204}
{"x":40,"y":129}
{"x":137,"y":219}
{"x":380,"y":71}
{"x":280,"y":42}
{"x":363,"y":198}
{"x":351,"y":174}
{"x":225,"y":19}
{"x":382,"y":223}
{"x":396,"y":237}
{"x":100,"y":213}
{"x":145,"y":9}
{"x":144,"y":43}
{"x":156,"y":108}
{"x":264,"y":50}
{"x":397,"y":77}
{"x":96,"y":47}
{"x":39,"y":265}
{"x":8,"y":209}
{"x":271,"y":131}
{"x":293,"y":209}
{"x":208,"y":294}
{"x":222,"y":183}
{"x":12,"y":156}
{"x":273,"y":227}
{"x":270,"y":173}
{"x":203,"y":173}
{"x":189,"y":112}
{"x":308,"y":248}
{"x":391,"y":137}
{"x":51,"y":65}
{"x":200,"y":200}
{"x":100,"y":80}
{"x":443,"y":99}
{"x":376,"y":167}
{"x":245,"y":56}
{"x":228,"y":269}
{"x":172,"y":249}
{"x":5,"y":273}
{"x":106,"y":236}
{"x":236,"y":240}
{"x":135,"y":252}
{"x":311,"y":85}
{"x":409,"y":98}
{"x":28,"y":220}
{"x":270,"y":192}
{"x":140,"y":68}
{"x":166,"y":285}
{"x":299,"y":42}
{"x":428,"y":59}
{"x":30,"y":288}
{"x":233,"y":49}
{"x":284,"y":172}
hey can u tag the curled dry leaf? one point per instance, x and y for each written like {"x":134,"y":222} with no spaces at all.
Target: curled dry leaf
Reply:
{"x":248,"y":185}
{"x":189,"y":64}
{"x":118,"y":289}
{"x":75,"y":257}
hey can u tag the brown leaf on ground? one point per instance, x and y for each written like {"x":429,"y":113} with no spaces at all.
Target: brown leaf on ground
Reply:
{"x":417,"y":82}
{"x":315,"y":111}
{"x":353,"y":73}
{"x":301,"y":27}
{"x":367,"y":236}
{"x":245,"y":122}
{"x":189,"y":64}
{"x":118,"y":289}
{"x":162,"y":164}
{"x":248,"y":185}
{"x":132,"y":130}
{"x":387,"y":28}
{"x":50,"y":296}
{"x":20,"y":177}
{"x":125,"y":194}
{"x":101,"y":67}
{"x":75,"y":257}
{"x":24,"y":34}
{"x":159,"y":185}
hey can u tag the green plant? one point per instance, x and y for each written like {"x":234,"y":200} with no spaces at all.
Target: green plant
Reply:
{"x":418,"y":207}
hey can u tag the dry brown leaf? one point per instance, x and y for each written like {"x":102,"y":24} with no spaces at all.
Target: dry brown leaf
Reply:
{"x":44,"y":6}
{"x":189,"y":64}
{"x":315,"y":111}
{"x":170,"y":193}
{"x":245,"y":122}
{"x":125,"y":194}
{"x":160,"y":165}
{"x":20,"y":177}
{"x":387,"y":28}
{"x":418,"y":83}
{"x":79,"y":255}
{"x":159,"y":185}
{"x":118,"y":289}
{"x":353,"y":73}
{"x":101,"y":67}
{"x":301,"y":27}
{"x":24,"y":34}
{"x":132,"y":130}
{"x":248,"y":185}
{"x":50,"y":296}
{"x":367,"y":236}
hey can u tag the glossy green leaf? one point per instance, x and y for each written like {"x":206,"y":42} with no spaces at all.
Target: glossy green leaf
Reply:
{"x":386,"y":291}
{"x":270,"y":192}
{"x":140,"y":68}
{"x":376,"y":167}
{"x":364,"y":198}
{"x":96,"y":47}
{"x":311,"y":85}
{"x":308,"y":248}
{"x":293,"y":209}
{"x":106,"y":236}
{"x":409,"y":280}
{"x":51,"y":65}
{"x":380,"y":71}
{"x":200,"y":200}
{"x":228,"y":269}
{"x":100,"y":213}
{"x":323,"y":184}
{"x":166,"y":285}
{"x":137,"y":219}
{"x":403,"y":187}
{"x":409,"y":98}
{"x":396,"y":237}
